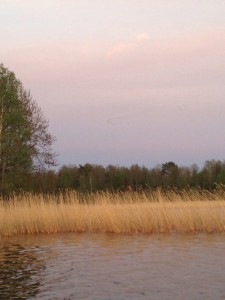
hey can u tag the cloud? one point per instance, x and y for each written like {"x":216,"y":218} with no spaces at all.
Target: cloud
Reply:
{"x":142,"y":36}
{"x":125,"y":47}
{"x":121,"y":48}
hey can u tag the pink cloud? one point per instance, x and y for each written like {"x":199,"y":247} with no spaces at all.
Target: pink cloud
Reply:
{"x":142,"y":36}
{"x":121,"y":48}
{"x":128,"y":46}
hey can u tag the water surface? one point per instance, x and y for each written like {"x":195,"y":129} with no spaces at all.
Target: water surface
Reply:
{"x":104,"y":266}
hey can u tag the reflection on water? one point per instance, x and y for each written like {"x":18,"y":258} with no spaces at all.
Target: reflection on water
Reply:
{"x":18,"y":265}
{"x":98,"y":266}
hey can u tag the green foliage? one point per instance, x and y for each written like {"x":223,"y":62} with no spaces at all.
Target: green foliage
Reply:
{"x":67,"y":178}
{"x":25,"y":144}
{"x":170,"y":174}
{"x":92,"y":178}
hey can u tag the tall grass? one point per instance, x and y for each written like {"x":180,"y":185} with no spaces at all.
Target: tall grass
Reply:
{"x":128,"y":212}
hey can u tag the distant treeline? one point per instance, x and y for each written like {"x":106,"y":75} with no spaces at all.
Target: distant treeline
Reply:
{"x":92,"y":178}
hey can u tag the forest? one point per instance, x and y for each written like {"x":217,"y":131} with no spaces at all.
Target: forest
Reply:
{"x":93,"y":178}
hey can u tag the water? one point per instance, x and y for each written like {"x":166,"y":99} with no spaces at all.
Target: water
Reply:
{"x":103,"y":266}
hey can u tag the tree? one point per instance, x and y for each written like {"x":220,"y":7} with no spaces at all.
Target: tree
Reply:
{"x":67,"y":177}
{"x":25,"y":143}
{"x":170,"y":172}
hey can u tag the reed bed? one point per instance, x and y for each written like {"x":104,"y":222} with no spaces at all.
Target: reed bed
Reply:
{"x":128,"y":212}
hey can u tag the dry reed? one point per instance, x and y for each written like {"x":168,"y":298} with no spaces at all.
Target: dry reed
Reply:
{"x":129,"y":212}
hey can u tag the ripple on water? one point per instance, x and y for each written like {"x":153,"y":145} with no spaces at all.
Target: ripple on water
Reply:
{"x":104,"y":266}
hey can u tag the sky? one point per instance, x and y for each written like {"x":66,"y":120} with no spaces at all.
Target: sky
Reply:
{"x":123,"y":82}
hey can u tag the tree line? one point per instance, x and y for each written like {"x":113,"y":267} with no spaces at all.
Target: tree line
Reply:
{"x":93,"y":178}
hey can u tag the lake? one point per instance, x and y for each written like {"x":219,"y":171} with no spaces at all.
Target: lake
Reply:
{"x":109,"y":266}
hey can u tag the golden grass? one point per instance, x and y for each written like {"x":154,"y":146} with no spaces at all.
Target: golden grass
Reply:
{"x":130,"y":212}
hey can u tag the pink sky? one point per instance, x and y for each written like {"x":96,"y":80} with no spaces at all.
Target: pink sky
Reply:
{"x":123,"y":82}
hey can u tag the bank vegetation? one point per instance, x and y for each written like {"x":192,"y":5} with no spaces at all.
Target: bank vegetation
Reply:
{"x":158,"y":211}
